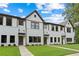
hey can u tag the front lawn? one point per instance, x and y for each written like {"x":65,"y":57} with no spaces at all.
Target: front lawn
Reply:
{"x":48,"y":51}
{"x":9,"y":51}
{"x":73,"y":46}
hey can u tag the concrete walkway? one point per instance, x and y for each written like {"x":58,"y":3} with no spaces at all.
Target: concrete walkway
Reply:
{"x":65,"y":48}
{"x":75,"y":54}
{"x":24,"y":51}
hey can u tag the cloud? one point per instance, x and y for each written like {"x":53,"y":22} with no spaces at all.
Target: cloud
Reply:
{"x":23,"y":16}
{"x":6,"y":10}
{"x":54,"y":18}
{"x":20,"y":10}
{"x":49,"y":6}
{"x":44,"y":11}
{"x":3,"y":5}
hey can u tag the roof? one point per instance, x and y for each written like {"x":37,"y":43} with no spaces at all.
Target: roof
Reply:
{"x":31,"y":14}
{"x":64,"y":23}
{"x":53,"y":24}
{"x":37,"y":13}
{"x":12,"y":16}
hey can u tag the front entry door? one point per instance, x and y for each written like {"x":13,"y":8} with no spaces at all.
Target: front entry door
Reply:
{"x":45,"y":40}
{"x":20,"y":40}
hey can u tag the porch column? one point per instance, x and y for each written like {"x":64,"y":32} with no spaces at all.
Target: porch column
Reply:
{"x":42,"y":40}
{"x":8,"y":39}
{"x":0,"y":40}
{"x":24,"y":41}
{"x":53,"y":40}
{"x":48,"y":40}
{"x":16,"y":40}
{"x":4,"y":20}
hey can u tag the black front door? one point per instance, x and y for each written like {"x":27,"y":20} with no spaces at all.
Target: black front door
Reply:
{"x":20,"y":40}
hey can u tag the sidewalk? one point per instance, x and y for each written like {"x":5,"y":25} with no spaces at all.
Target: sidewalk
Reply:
{"x":76,"y":54}
{"x":24,"y":51}
{"x":66,"y":48}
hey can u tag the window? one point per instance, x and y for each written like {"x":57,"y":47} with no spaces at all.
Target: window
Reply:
{"x":69,"y":39}
{"x":34,"y":25}
{"x":34,"y":15}
{"x":58,"y":39}
{"x":12,"y":39}
{"x":61,"y":28}
{"x":51,"y":39}
{"x":30,"y":39}
{"x":1,"y":20}
{"x":39,"y":39}
{"x":56,"y":28}
{"x":8,"y":21}
{"x":54,"y":39}
{"x":52,"y":27}
{"x":21,"y":22}
{"x":45,"y":26}
{"x":34,"y":39}
{"x":68,"y":29}
{"x":3,"y":39}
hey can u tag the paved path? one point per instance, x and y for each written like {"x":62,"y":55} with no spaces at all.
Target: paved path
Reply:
{"x":65,"y":48}
{"x":75,"y":54}
{"x":24,"y":51}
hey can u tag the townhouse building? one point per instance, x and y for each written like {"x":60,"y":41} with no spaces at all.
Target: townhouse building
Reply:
{"x":33,"y":30}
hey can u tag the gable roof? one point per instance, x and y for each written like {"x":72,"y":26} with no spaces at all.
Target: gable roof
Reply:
{"x":37,"y":14}
{"x":65,"y":22}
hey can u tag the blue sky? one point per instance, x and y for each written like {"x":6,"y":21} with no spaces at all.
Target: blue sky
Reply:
{"x":51,"y":12}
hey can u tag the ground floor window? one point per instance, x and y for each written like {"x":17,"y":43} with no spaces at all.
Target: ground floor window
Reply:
{"x":51,"y":39}
{"x":58,"y":39}
{"x":69,"y":39}
{"x":12,"y":39}
{"x":34,"y":39}
{"x":54,"y":39}
{"x":3,"y":38}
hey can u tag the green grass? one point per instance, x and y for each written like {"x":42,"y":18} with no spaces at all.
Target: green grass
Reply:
{"x":73,"y":46}
{"x":9,"y":51}
{"x":48,"y":51}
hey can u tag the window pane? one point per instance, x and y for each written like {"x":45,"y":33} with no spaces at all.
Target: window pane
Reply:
{"x":51,"y":39}
{"x":12,"y":39}
{"x":3,"y":39}
{"x":58,"y":39}
{"x":1,"y":20}
{"x":54,"y":39}
{"x":69,"y":39}
{"x":21,"y":22}
{"x":68,"y":29}
{"x":30,"y":39}
{"x":52,"y":27}
{"x":56,"y":28}
{"x":8,"y":21}
{"x":39,"y":39}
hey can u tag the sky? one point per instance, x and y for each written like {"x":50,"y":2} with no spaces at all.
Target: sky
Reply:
{"x":50,"y":12}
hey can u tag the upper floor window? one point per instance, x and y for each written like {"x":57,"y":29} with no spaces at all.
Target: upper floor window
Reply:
{"x":21,"y":22}
{"x":56,"y":28}
{"x":52,"y":28}
{"x":68,"y":29}
{"x":8,"y":21}
{"x":34,"y":15}
{"x":45,"y":26}
{"x":34,"y":25}
{"x":1,"y":20}
{"x":61,"y":28}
